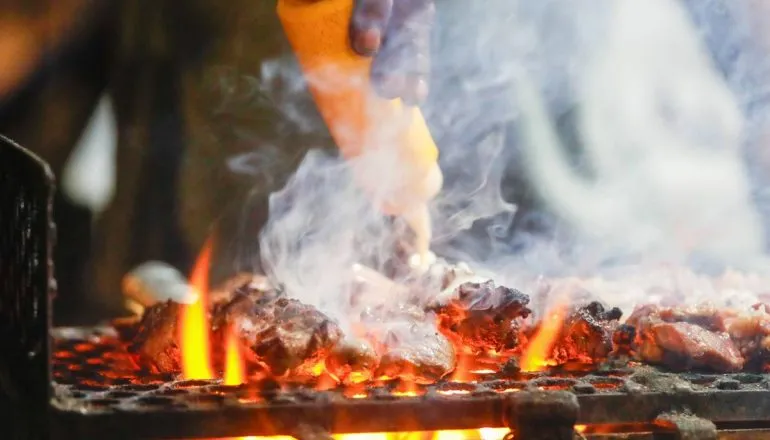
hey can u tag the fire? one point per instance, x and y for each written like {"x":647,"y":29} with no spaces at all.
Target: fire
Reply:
{"x":193,"y":323}
{"x":462,"y":371}
{"x":535,"y":357}
{"x":469,"y":434}
{"x":234,"y":370}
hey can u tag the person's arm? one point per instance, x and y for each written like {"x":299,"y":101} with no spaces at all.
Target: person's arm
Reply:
{"x":397,"y":34}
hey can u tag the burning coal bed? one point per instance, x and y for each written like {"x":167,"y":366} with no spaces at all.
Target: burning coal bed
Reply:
{"x":250,"y":360}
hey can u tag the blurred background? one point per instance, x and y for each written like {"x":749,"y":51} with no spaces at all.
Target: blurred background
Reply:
{"x":161,"y":118}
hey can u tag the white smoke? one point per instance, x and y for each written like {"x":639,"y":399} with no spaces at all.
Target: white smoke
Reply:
{"x":663,"y":177}
{"x":662,"y":133}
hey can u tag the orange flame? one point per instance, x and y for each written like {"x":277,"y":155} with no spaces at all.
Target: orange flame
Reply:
{"x":536,"y":355}
{"x":193,"y":323}
{"x":234,"y":370}
{"x":462,"y":371}
{"x":469,"y":434}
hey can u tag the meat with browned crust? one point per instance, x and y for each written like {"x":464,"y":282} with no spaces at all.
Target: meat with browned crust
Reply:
{"x":352,"y":360}
{"x":154,"y":341}
{"x":408,"y":344}
{"x":751,"y":334}
{"x":482,"y":317}
{"x":415,"y":352}
{"x":705,"y":316}
{"x":685,"y":338}
{"x":284,"y":334}
{"x":684,"y":346}
{"x":586,"y":335}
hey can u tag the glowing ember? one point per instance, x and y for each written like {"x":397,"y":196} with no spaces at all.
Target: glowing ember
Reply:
{"x":234,"y":370}
{"x":470,"y":434}
{"x":449,"y":435}
{"x":406,"y":389}
{"x":492,"y":433}
{"x":536,"y":356}
{"x":454,"y":392}
{"x":193,"y":323}
{"x":404,"y":393}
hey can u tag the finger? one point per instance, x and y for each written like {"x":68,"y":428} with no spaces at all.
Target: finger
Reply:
{"x":401,"y":67}
{"x":368,"y":24}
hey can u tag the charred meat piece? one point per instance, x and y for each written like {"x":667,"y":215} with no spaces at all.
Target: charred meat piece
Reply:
{"x":284,"y":334}
{"x":415,"y":352}
{"x":154,"y":338}
{"x":623,"y":340}
{"x":154,"y":341}
{"x":586,"y":335}
{"x":352,"y":360}
{"x":407,"y":342}
{"x":674,"y":338}
{"x":751,"y":334}
{"x":682,"y":346}
{"x":707,"y":317}
{"x":482,"y":317}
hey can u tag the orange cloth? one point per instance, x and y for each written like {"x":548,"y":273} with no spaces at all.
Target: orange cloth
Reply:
{"x":339,"y":81}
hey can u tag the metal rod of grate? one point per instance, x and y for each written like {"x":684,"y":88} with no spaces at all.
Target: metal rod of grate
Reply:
{"x":98,"y":392}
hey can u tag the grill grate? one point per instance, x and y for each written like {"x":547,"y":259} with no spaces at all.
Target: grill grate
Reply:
{"x":98,"y":391}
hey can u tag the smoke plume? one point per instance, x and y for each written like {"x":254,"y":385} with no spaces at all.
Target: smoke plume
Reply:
{"x":624,"y":121}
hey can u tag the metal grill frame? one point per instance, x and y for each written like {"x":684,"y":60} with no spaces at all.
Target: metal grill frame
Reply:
{"x":26,"y":289}
{"x":159,"y":406}
{"x":32,"y":406}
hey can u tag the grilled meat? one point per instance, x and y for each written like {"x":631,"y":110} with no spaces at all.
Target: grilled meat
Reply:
{"x":682,"y":346}
{"x":482,"y":317}
{"x":282,"y":333}
{"x":623,"y":340}
{"x":707,"y":317}
{"x":352,"y":360}
{"x":154,"y":339}
{"x":685,"y":338}
{"x":751,"y":334}
{"x":406,"y":341}
{"x":415,"y":352}
{"x":586,"y":335}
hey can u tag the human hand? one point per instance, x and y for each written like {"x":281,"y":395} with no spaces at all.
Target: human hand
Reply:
{"x":397,"y":34}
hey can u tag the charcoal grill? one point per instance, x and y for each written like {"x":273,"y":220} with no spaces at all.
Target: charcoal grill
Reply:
{"x":79,"y":382}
